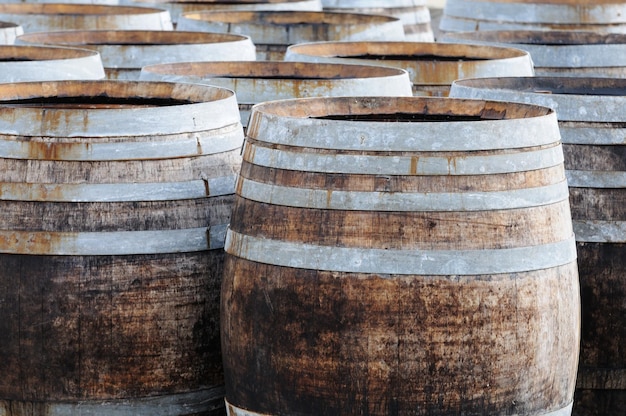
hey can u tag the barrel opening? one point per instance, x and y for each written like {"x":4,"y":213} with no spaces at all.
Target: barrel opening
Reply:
{"x":402,"y":117}
{"x":416,"y":57}
{"x":92,"y":102}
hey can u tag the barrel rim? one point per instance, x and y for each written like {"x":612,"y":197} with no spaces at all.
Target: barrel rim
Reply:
{"x":305,"y":105}
{"x":409,"y":47}
{"x":81,"y":9}
{"x":119,"y":37}
{"x":287,"y":17}
{"x":196,"y":100}
{"x":29,"y":52}
{"x":298,"y":70}
{"x":556,"y":38}
{"x":540,"y":90}
{"x":48,"y":89}
{"x":505,"y":83}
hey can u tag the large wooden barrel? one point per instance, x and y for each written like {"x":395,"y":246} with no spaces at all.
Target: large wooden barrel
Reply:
{"x":48,"y":63}
{"x":400,"y":256}
{"x":115,"y":199}
{"x":414,"y":14}
{"x":125,"y":52}
{"x":8,"y":32}
{"x":608,"y":16}
{"x":273,"y":31}
{"x":46,"y":17}
{"x":558,"y":53}
{"x":432,"y":66}
{"x":257,"y":82}
{"x":180,"y":7}
{"x":592,"y":115}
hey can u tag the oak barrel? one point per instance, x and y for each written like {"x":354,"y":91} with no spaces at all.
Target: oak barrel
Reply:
{"x":45,"y":17}
{"x":257,"y":82}
{"x":559,"y":53}
{"x":125,"y":52}
{"x":179,"y":7}
{"x":400,"y":256}
{"x":414,"y":14}
{"x":592,"y":116}
{"x":116,"y":196}
{"x":432,"y":67}
{"x":273,"y":31}
{"x":48,"y":63}
{"x":601,"y":16}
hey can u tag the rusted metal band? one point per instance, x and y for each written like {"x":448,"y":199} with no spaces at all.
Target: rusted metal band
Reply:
{"x":406,"y":165}
{"x":597,"y":231}
{"x":118,"y":192}
{"x":537,"y":13}
{"x":238,"y":411}
{"x":112,"y":243}
{"x":110,"y":122}
{"x":596,"y":179}
{"x":402,"y":201}
{"x":377,"y":136}
{"x":204,"y":143}
{"x":197,"y":402}
{"x":400,"y":262}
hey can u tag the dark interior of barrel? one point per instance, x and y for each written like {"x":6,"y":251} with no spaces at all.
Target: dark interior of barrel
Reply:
{"x":93,"y":102}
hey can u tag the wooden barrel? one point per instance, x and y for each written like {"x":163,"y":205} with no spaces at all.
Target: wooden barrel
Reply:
{"x":273,"y":31}
{"x":9,"y":31}
{"x":257,"y":82}
{"x":432,"y":66}
{"x":48,"y":63}
{"x":180,"y":7}
{"x":414,"y":14}
{"x":400,"y":256}
{"x":125,"y":52}
{"x":608,"y":16}
{"x":116,"y":196}
{"x":559,"y":53}
{"x":592,"y":116}
{"x":46,"y":17}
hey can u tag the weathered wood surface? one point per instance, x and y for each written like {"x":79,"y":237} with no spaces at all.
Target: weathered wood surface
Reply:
{"x":591,"y":119}
{"x":110,"y":274}
{"x":314,"y":331}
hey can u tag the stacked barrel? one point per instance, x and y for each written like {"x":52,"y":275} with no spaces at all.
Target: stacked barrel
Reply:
{"x":312,"y":207}
{"x":577,"y":48}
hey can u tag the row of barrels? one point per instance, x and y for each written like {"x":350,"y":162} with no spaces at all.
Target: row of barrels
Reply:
{"x":392,"y":255}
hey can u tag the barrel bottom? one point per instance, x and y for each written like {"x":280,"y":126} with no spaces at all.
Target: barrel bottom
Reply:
{"x":237,"y":411}
{"x":599,"y":402}
{"x":205,"y":402}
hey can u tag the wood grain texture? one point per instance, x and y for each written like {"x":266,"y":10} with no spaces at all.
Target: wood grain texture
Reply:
{"x":310,"y":341}
{"x":135,"y":331}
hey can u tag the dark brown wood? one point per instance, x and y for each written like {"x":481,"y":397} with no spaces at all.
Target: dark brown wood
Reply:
{"x":135,"y":329}
{"x":324,"y":341}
